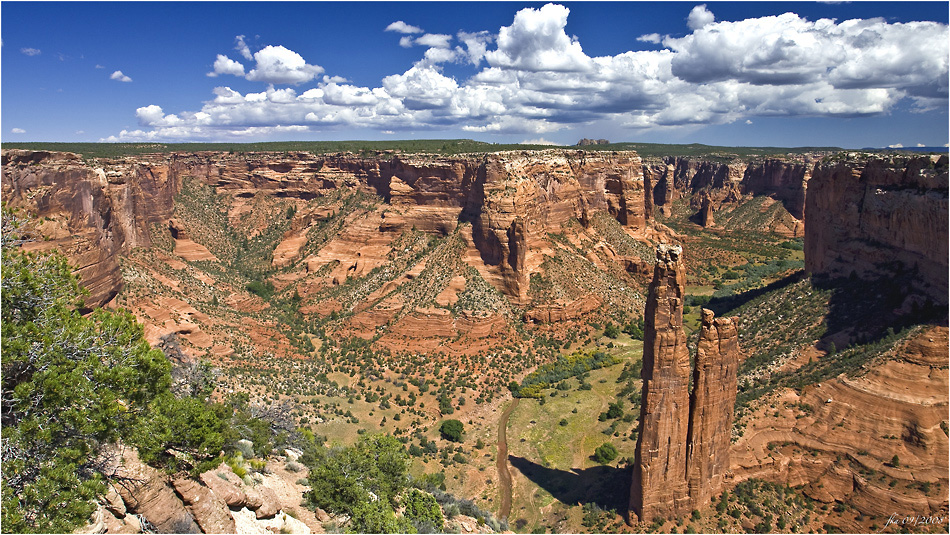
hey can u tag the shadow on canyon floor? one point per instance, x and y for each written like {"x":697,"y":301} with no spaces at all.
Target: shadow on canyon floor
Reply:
{"x":606,"y":486}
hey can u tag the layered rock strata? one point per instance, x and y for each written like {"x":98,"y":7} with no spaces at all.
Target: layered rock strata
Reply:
{"x":97,"y":212}
{"x":92,"y":214}
{"x":682,"y":453}
{"x":881,"y":218}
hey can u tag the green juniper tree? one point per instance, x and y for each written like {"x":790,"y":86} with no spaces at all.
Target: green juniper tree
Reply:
{"x":71,"y":385}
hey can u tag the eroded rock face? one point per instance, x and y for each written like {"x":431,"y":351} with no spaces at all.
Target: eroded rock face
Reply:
{"x":841,"y":449}
{"x":712,"y":404}
{"x":880,"y":218}
{"x":659,"y":473}
{"x":710,"y":185}
{"x":512,"y":201}
{"x":784,"y":181}
{"x":93,"y":215}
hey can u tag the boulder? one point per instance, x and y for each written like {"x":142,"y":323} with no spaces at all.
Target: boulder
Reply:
{"x":208,"y":509}
{"x":150,"y":494}
{"x":270,"y":505}
{"x":231,"y":493}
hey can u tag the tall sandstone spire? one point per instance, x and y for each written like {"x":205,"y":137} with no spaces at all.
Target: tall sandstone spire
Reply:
{"x":659,"y":473}
{"x":712,"y":404}
{"x":683,"y":449}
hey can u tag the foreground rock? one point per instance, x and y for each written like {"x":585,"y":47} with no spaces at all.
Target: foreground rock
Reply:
{"x":143,"y":499}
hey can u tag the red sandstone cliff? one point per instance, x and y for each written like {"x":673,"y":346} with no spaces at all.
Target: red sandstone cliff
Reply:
{"x":712,"y":404}
{"x":659,"y":471}
{"x":93,"y":215}
{"x":880,"y":218}
{"x":783,"y":180}
{"x":512,"y":200}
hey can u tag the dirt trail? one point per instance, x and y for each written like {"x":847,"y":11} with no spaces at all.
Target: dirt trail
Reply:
{"x":501,"y":463}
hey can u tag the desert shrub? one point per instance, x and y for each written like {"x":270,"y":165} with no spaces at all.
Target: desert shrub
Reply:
{"x":605,"y":453}
{"x":263,"y":289}
{"x":421,"y":508}
{"x":452,"y":430}
{"x":344,"y":481}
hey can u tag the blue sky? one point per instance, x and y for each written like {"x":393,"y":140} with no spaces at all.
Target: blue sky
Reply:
{"x":726,"y":73}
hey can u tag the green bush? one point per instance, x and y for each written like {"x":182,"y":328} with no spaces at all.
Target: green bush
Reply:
{"x":343,"y":480}
{"x":605,"y":453}
{"x":183,"y":433}
{"x":452,"y":430}
{"x":263,"y":289}
{"x":421,"y":509}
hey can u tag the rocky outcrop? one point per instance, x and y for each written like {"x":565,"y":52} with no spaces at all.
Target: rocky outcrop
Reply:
{"x":881,"y":219}
{"x":149,"y":493}
{"x":838,"y":438}
{"x":143,"y":499}
{"x":585,"y":142}
{"x":209,"y":510}
{"x":712,"y":404}
{"x":682,"y":453}
{"x":558,"y":312}
{"x":659,"y":471}
{"x":705,"y":215}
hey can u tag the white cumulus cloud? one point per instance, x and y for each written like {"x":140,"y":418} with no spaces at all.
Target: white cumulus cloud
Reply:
{"x":18,"y":131}
{"x":790,"y":50}
{"x":476,"y":44}
{"x":117,"y":75}
{"x":699,"y":17}
{"x":401,"y":27}
{"x":31,"y":51}
{"x":539,"y":80}
{"x":536,"y":41}
{"x":279,"y":65}
{"x":436,"y":40}
{"x":226,"y":65}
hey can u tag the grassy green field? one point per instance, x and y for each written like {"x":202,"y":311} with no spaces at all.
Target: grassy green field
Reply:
{"x":551,"y":445}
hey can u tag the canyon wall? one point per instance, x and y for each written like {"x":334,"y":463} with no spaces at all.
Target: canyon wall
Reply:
{"x":785,"y":181}
{"x":96,"y":213}
{"x":880,"y":219}
{"x":710,"y":184}
{"x":93,"y":215}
